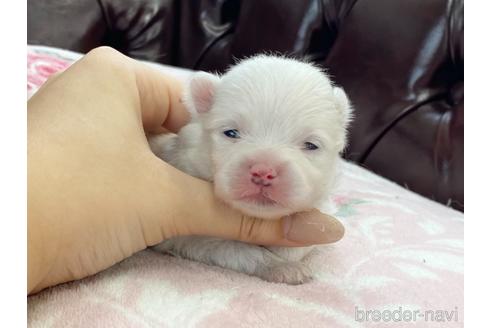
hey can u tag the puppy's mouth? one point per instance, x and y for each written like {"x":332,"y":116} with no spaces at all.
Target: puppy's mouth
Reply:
{"x":261,"y":202}
{"x":259,"y":199}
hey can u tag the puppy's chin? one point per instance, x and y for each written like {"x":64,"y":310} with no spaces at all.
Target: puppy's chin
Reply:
{"x":262,"y":206}
{"x":261,"y":209}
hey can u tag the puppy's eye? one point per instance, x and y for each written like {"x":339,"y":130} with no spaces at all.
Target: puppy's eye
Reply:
{"x":310,"y":146}
{"x":234,"y":134}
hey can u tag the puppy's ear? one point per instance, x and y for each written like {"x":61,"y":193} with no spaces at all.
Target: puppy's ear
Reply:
{"x":345,"y":110}
{"x":343,"y":105}
{"x":200,"y":92}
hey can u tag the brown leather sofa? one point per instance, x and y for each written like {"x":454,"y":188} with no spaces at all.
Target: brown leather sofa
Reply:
{"x":401,"y":63}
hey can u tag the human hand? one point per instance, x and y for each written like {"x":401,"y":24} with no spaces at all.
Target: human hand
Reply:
{"x":97,"y":194}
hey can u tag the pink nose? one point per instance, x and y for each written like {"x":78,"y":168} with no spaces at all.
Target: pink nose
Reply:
{"x":262,"y":174}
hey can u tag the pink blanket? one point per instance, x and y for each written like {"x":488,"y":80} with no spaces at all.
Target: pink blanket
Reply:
{"x":399,"y":264}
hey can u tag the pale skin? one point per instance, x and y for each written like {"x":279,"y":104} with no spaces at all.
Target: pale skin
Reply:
{"x":97,"y":194}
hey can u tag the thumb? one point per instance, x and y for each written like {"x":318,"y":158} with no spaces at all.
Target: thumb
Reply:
{"x":198,"y":212}
{"x":298,"y":229}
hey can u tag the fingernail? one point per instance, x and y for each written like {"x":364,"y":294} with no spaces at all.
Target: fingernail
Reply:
{"x":312,"y":228}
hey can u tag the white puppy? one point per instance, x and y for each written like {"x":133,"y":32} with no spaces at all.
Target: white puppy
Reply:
{"x":268,"y":133}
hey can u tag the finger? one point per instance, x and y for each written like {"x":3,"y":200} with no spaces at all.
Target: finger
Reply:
{"x":157,"y":95}
{"x":299,"y":229}
{"x":160,"y":100}
{"x":197,"y":211}
{"x":312,"y":227}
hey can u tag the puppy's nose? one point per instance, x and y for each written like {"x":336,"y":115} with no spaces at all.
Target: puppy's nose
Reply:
{"x":262,"y":174}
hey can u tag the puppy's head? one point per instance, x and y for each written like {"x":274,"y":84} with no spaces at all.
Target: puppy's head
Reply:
{"x":276,"y":127}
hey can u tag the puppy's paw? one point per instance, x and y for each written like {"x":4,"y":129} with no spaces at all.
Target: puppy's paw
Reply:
{"x":292,"y":273}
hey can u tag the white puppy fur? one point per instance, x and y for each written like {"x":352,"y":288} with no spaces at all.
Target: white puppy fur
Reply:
{"x":268,"y":133}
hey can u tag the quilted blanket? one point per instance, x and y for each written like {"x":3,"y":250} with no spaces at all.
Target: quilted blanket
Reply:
{"x":399,"y":264}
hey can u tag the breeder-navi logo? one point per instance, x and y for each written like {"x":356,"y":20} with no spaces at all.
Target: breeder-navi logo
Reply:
{"x":399,"y":315}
